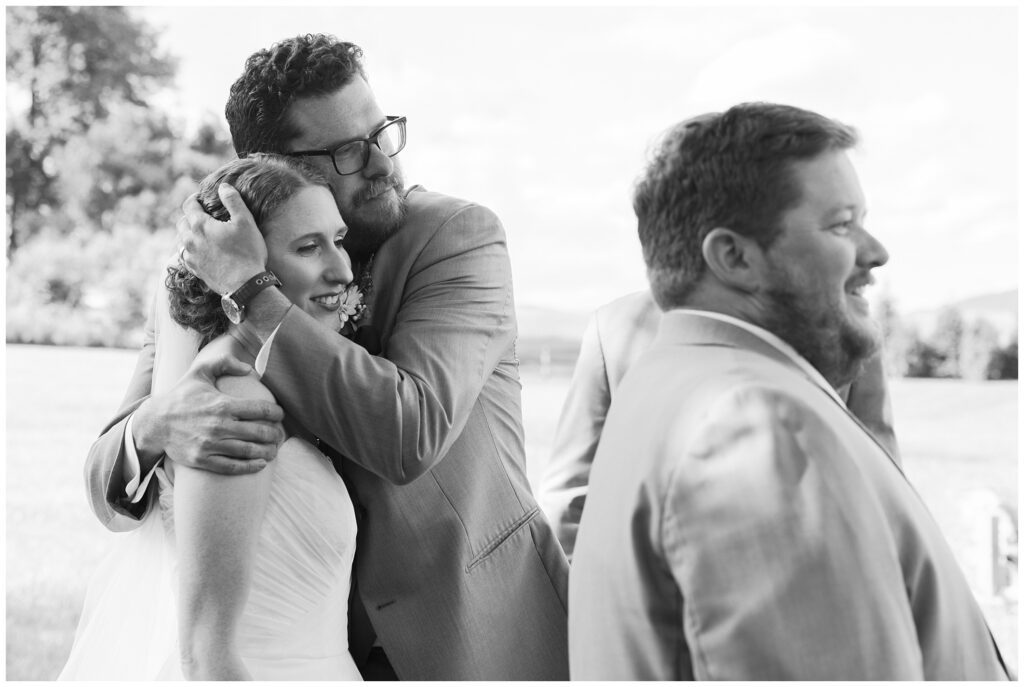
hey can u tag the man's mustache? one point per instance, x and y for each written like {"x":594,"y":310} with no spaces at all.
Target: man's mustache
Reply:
{"x":378,"y":186}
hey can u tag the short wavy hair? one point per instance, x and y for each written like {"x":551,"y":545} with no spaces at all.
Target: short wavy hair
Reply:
{"x":304,"y":66}
{"x":265,"y":182}
{"x":730,"y":169}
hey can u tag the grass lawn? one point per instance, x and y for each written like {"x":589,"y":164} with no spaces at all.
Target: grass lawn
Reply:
{"x":956,"y":438}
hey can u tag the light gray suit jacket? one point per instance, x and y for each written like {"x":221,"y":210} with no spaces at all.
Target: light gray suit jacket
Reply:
{"x":459,"y":571}
{"x":741,"y":524}
{"x":616,"y":336}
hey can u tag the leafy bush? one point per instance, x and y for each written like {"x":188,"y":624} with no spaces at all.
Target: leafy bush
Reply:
{"x":85,"y":289}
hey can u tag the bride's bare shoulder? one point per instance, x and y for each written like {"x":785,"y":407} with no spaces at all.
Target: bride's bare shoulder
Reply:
{"x":242,"y":386}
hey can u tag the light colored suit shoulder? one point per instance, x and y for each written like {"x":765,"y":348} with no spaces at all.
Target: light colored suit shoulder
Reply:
{"x":429,"y":212}
{"x":742,"y":525}
{"x":625,"y":328}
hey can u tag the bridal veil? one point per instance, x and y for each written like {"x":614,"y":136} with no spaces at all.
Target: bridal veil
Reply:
{"x":128,"y":626}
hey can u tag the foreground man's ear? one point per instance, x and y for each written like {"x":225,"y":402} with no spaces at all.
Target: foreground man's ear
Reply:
{"x":735,"y":260}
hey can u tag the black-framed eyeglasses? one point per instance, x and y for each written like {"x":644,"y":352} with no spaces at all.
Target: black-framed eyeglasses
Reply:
{"x":352,"y":156}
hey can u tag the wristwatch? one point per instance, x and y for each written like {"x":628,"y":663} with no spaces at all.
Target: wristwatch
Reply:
{"x":234,"y":304}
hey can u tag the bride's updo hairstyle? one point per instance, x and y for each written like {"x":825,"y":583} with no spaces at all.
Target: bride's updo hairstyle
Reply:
{"x":265,"y":182}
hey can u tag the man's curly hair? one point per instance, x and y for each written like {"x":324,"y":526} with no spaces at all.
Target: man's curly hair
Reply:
{"x":310,"y":65}
{"x":265,"y":183}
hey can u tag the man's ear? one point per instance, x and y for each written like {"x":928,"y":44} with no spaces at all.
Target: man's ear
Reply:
{"x":734,"y":259}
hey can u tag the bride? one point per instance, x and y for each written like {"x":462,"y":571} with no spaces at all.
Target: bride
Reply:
{"x":237,"y":577}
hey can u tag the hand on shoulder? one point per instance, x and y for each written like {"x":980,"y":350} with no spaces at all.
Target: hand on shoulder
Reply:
{"x":218,"y":417}
{"x":239,"y":380}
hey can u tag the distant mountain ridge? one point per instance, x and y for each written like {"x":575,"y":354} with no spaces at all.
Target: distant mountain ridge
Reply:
{"x":999,"y":309}
{"x":1003,"y":301}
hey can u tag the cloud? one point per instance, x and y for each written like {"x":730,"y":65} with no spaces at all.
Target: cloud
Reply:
{"x":801,"y":64}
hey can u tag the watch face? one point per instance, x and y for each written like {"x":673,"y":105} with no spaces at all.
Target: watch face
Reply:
{"x":231,"y":309}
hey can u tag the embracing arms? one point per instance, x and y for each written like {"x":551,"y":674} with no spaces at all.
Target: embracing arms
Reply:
{"x":190,"y":422}
{"x":397,"y":414}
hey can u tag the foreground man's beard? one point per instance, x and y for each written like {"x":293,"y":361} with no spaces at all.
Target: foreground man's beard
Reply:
{"x":371,"y":223}
{"x":834,"y":345}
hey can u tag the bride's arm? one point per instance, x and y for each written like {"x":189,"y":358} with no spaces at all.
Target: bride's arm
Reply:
{"x":217,"y":520}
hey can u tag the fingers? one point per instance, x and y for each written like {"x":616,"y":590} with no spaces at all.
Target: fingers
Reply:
{"x":230,"y":365}
{"x":252,"y":409}
{"x":213,"y":363}
{"x":243,"y":449}
{"x":249,"y":432}
{"x":233,"y":202}
{"x":226,"y":465}
{"x":231,"y":407}
{"x":193,"y":210}
{"x":246,"y":451}
{"x":226,"y":407}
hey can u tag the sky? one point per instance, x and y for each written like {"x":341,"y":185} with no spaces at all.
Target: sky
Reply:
{"x":546,"y":116}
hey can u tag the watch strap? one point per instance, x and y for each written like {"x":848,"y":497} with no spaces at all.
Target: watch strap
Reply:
{"x":247,"y":291}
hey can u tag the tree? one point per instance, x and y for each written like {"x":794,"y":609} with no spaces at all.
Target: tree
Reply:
{"x":128,"y":154}
{"x":979,"y":346}
{"x":1004,"y":362}
{"x":948,"y":341}
{"x":922,"y":360}
{"x":66,"y":67}
{"x":894,"y":335}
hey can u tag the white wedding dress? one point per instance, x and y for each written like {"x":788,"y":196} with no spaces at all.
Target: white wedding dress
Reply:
{"x":295,"y":622}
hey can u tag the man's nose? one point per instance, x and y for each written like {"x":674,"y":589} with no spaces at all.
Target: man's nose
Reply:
{"x":378,"y":164}
{"x":871,"y":252}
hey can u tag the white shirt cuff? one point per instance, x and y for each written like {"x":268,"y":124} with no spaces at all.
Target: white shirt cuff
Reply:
{"x":264,"y":355}
{"x":134,"y":488}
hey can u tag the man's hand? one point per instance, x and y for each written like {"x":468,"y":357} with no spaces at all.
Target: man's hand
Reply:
{"x":867,"y":397}
{"x":198,"y":426}
{"x":223,"y":254}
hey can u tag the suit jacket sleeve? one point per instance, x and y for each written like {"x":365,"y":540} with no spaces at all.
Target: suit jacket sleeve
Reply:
{"x":104,"y":466}
{"x":781,"y":554}
{"x":564,"y":487}
{"x":399,"y":414}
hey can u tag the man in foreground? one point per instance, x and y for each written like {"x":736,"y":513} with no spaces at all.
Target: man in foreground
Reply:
{"x":741,"y":523}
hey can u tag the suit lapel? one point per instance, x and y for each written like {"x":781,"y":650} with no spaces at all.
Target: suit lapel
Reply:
{"x":689,"y":328}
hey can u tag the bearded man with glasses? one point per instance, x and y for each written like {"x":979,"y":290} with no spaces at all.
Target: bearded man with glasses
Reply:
{"x":458,"y":575}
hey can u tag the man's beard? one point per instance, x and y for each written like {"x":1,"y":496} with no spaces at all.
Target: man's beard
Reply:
{"x":370,"y":222}
{"x":821,"y":333}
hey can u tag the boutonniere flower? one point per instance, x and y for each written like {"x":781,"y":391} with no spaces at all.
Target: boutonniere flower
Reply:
{"x":351,"y":309}
{"x":354,"y":301}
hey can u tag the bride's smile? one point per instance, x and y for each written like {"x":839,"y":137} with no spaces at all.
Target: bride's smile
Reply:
{"x":304,"y":250}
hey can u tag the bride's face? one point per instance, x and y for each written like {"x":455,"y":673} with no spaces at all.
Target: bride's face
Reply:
{"x":304,"y":250}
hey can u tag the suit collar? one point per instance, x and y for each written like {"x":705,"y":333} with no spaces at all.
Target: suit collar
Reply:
{"x":705,"y":328}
